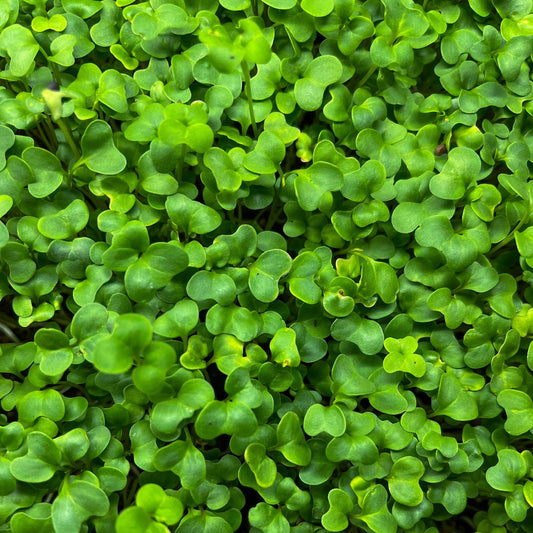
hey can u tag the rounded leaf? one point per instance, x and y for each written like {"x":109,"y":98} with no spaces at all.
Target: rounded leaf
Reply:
{"x":99,"y":152}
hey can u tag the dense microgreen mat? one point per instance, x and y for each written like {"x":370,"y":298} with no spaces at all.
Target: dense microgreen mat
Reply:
{"x":266,"y":265}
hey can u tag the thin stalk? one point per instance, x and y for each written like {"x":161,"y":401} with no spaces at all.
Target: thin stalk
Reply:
{"x":468,"y":521}
{"x":273,"y":217}
{"x":76,"y":165}
{"x":44,"y":138}
{"x":53,"y":136}
{"x":511,"y":235}
{"x":181,"y":162}
{"x":256,"y":226}
{"x":233,"y":218}
{"x":69,"y":385}
{"x":205,"y":374}
{"x":281,"y":174}
{"x":248,"y":92}
{"x":6,"y":330}
{"x":96,"y":201}
{"x":294,"y":44}
{"x":350,"y":250}
{"x":255,"y":221}
{"x":53,"y":67}
{"x":6,"y":319}
{"x":276,"y":209}
{"x":127,"y":497}
{"x":55,"y":72}
{"x":369,"y":73}
{"x":67,"y":132}
{"x":457,"y":289}
{"x":270,"y":208}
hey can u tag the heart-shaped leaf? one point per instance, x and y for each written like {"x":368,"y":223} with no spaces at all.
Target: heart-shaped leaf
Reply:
{"x":266,"y":272}
{"x":99,"y":152}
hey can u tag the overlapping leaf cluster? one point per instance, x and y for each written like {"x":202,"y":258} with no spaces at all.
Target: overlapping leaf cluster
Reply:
{"x":266,"y":265}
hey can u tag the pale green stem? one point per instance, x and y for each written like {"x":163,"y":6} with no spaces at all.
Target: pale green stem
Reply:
{"x":6,"y":330}
{"x":53,"y":67}
{"x":45,"y":138}
{"x":369,"y":73}
{"x":76,"y":165}
{"x":67,"y":132}
{"x":511,"y":235}
{"x":273,"y":217}
{"x":275,"y":209}
{"x":281,"y":174}
{"x":181,"y":162}
{"x":248,"y":92}
{"x":55,"y":72}
{"x":205,"y":374}
{"x":294,"y":44}
{"x":53,"y":137}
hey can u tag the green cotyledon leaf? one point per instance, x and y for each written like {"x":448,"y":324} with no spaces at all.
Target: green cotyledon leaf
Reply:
{"x":21,"y":47}
{"x":99,"y":152}
{"x":313,"y":182}
{"x":459,"y":171}
{"x":191,"y":216}
{"x":402,"y":357}
{"x":266,"y":266}
{"x":76,"y":502}
{"x":266,"y":272}
{"x":65,"y":223}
